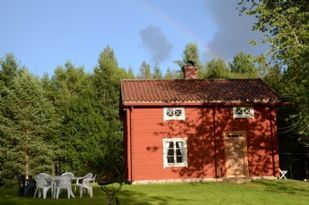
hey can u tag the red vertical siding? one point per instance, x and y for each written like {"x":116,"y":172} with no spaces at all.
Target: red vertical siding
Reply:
{"x":204,"y":129}
{"x":147,"y":147}
{"x":260,"y":147}
{"x":273,"y":122}
{"x":259,"y":139}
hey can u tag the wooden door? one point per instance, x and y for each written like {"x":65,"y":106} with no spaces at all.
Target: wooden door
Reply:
{"x":236,"y":162}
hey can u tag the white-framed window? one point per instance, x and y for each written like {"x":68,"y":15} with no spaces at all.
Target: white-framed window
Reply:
{"x":243,"y":112}
{"x":175,"y":152}
{"x":171,"y":113}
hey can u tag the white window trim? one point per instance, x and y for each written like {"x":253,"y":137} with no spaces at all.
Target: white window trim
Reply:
{"x":250,"y":115}
{"x":185,"y":152}
{"x":166,"y":117}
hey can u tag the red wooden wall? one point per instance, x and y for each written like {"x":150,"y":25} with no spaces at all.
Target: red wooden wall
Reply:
{"x":203,"y":128}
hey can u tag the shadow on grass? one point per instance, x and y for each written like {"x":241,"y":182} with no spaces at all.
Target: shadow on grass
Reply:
{"x":129,"y":197}
{"x":291,"y":192}
{"x":288,"y":187}
{"x":8,"y":196}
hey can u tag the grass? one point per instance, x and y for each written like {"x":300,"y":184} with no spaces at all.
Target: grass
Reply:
{"x":256,"y":192}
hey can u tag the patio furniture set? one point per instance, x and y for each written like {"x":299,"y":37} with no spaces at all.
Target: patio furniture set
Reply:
{"x":56,"y":184}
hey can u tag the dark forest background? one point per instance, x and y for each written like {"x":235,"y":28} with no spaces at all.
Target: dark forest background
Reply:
{"x":70,"y":121}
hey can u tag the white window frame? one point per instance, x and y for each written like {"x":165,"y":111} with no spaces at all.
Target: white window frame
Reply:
{"x":173,"y":116}
{"x":166,"y":142}
{"x":243,"y":114}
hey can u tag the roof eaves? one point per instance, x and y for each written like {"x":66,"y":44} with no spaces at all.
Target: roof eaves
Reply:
{"x":198,"y":103}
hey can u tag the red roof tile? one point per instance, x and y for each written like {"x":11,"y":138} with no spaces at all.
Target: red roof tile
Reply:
{"x":196,"y":91}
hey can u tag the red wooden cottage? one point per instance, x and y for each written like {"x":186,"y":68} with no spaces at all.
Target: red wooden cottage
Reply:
{"x":192,"y":130}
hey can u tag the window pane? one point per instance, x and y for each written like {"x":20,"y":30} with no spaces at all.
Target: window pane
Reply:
{"x":179,"y":152}
{"x":170,"y":152}
{"x":178,"y":112}
{"x":179,"y":159}
{"x":169,"y":112}
{"x":170,"y":159}
{"x":247,"y":111}
{"x":239,"y":111}
{"x":171,"y":145}
{"x":179,"y":145}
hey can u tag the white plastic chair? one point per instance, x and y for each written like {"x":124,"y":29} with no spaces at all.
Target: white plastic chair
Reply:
{"x":43,"y":183}
{"x":63,"y":183}
{"x":69,"y":174}
{"x":79,"y":180}
{"x":87,"y":184}
{"x":282,"y":174}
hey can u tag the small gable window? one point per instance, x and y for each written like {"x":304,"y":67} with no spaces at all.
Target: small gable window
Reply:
{"x":175,"y":152}
{"x":243,"y":112}
{"x":173,"y":114}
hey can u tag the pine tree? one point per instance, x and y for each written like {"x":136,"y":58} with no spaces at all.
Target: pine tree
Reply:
{"x":106,"y":81}
{"x":190,"y":54}
{"x":157,"y":73}
{"x":243,"y":66}
{"x":27,"y":121}
{"x":145,"y":71}
{"x":217,"y":68}
{"x":8,"y":69}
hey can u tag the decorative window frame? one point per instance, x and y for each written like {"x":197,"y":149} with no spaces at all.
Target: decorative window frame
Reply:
{"x":172,"y":113}
{"x":166,"y":142}
{"x":243,"y":112}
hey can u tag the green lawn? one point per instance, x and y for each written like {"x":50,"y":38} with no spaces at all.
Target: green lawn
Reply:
{"x":256,"y":192}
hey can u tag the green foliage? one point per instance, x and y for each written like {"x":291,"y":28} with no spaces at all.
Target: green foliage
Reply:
{"x":71,"y":92}
{"x":169,"y":74}
{"x":243,"y":66}
{"x":107,"y":89}
{"x":285,"y":27}
{"x":8,"y":69}
{"x":69,"y":122}
{"x":190,"y":54}
{"x":274,"y":78}
{"x":145,"y":71}
{"x":217,"y":68}
{"x":157,"y":73}
{"x":27,"y":123}
{"x":130,"y":74}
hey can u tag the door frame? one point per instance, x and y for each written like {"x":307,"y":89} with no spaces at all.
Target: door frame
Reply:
{"x":242,"y":137}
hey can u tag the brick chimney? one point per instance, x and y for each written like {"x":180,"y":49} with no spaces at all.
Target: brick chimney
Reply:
{"x":189,"y":71}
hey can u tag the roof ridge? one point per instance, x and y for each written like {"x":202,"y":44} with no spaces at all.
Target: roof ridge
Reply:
{"x":207,"y":79}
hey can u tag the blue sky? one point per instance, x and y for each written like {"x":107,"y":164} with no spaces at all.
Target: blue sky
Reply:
{"x":44,"y":34}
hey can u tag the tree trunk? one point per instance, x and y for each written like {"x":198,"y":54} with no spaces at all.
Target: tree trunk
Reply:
{"x":26,"y":160}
